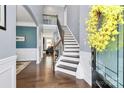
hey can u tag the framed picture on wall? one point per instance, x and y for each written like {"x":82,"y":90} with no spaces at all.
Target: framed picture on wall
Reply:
{"x":3,"y":17}
{"x":20,"y":38}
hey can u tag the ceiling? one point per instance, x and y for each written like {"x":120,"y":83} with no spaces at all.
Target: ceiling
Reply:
{"x":53,"y":9}
{"x":23,"y":15}
{"x":55,"y":5}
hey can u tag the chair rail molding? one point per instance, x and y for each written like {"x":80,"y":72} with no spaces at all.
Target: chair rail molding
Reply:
{"x":8,"y":72}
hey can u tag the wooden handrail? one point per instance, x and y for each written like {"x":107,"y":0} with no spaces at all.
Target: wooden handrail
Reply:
{"x":60,"y":31}
{"x":54,"y":47}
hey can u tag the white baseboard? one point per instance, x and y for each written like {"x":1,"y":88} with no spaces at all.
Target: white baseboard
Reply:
{"x":8,"y":72}
{"x":26,"y":54}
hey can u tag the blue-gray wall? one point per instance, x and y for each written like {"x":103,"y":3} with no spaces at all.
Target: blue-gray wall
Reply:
{"x":8,"y":37}
{"x":73,"y":14}
{"x":30,"y":36}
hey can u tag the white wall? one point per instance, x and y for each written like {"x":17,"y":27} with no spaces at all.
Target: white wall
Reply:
{"x":84,"y":68}
{"x":7,"y":38}
{"x":73,"y":15}
{"x":8,"y":50}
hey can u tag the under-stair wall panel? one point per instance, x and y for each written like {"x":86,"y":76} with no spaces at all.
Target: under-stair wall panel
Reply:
{"x":85,"y":50}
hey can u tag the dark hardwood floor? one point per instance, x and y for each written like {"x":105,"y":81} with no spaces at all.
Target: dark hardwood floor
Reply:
{"x":43,"y":76}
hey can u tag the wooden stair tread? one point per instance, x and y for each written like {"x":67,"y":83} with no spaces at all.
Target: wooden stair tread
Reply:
{"x":67,"y":68}
{"x":70,"y":44}
{"x":72,"y":47}
{"x":69,"y":61}
{"x":69,"y":41}
{"x":71,"y":51}
{"x":74,"y":56}
{"x":68,"y":38}
{"x":67,"y":34}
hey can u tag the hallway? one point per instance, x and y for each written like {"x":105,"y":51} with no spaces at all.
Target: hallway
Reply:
{"x":43,"y":76}
{"x":87,"y":42}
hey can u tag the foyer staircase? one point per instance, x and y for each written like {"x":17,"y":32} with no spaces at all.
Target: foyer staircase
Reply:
{"x":68,"y":62}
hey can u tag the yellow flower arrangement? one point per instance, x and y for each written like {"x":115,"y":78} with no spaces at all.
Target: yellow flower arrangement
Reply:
{"x":108,"y":18}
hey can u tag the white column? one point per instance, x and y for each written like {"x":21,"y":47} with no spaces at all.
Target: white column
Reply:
{"x":41,"y":51}
{"x":38,"y":41}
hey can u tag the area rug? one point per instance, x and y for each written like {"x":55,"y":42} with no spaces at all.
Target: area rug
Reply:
{"x":21,"y":65}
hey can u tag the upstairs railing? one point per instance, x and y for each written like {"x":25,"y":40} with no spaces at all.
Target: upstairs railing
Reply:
{"x":60,"y":30}
{"x":49,"y":19}
{"x":59,"y":44}
{"x":54,"y":20}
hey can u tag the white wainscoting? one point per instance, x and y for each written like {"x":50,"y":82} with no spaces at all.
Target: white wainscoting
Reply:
{"x":84,"y":69}
{"x":26,"y":54}
{"x":8,"y":72}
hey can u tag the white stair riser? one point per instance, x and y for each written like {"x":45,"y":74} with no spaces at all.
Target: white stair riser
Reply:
{"x":70,"y":40}
{"x":71,"y":46}
{"x":69,"y":37}
{"x":71,"y":49}
{"x":70,"y":43}
{"x":68,"y":64}
{"x":70,"y":58}
{"x":65,"y":71}
{"x":68,"y":53}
